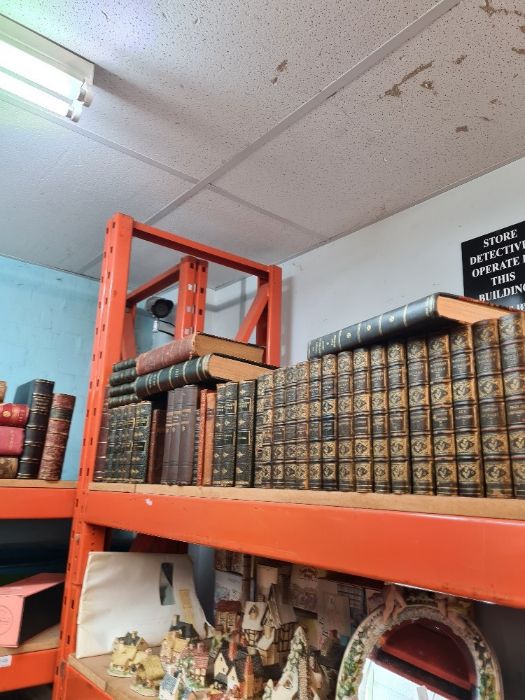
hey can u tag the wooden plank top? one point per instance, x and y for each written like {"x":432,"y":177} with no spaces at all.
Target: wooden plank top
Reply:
{"x":36,"y":484}
{"x":47,"y":639}
{"x":94,"y":669}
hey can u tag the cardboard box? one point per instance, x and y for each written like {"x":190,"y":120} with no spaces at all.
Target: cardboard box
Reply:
{"x":29,"y":606}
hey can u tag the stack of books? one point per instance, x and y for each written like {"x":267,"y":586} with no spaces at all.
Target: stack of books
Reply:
{"x":34,"y":431}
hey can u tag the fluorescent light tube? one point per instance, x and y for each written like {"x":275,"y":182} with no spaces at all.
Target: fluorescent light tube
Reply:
{"x":43,"y":99}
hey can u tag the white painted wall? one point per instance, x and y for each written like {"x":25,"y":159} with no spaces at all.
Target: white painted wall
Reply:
{"x":385,"y":264}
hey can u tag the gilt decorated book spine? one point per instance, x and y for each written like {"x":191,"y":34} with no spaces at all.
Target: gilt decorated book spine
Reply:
{"x":140,"y":442}
{"x":211,"y":405}
{"x":302,"y":410}
{"x":466,"y":414}
{"x":125,"y":441}
{"x":156,"y":446}
{"x":57,"y":436}
{"x":423,"y":479}
{"x":245,"y":434}
{"x":398,"y":431}
{"x":229,"y":432}
{"x":102,"y":445}
{"x":279,"y":421}
{"x":442,"y":415}
{"x":512,"y":344}
{"x":379,"y":403}
{"x":364,"y":471}
{"x":492,"y":415}
{"x":265,"y":479}
{"x":113,"y":419}
{"x":345,"y":443}
{"x":38,"y":395}
{"x":122,"y":378}
{"x":190,"y":372}
{"x":315,"y":464}
{"x":129,"y":363}
{"x":290,"y":412}
{"x":329,"y":422}
{"x":168,"y":437}
{"x":218,"y":442}
{"x":188,"y":413}
{"x":14,"y":415}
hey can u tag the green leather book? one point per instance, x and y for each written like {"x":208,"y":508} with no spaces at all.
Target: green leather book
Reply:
{"x":345,"y":442}
{"x":141,"y":442}
{"x":218,"y":436}
{"x":229,"y":434}
{"x":259,"y":454}
{"x":266,"y":464}
{"x":329,"y":422}
{"x":421,"y":447}
{"x":245,"y":434}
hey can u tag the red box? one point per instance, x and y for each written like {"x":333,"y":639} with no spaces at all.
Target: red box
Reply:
{"x":29,"y":606}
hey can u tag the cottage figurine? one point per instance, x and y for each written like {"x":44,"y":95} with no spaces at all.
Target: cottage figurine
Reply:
{"x":239,"y":671}
{"x":228,"y":615}
{"x":296,"y":681}
{"x":148,"y":675}
{"x":126,"y":652}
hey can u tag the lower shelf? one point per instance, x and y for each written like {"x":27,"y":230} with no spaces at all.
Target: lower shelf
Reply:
{"x":35,"y":498}
{"x":32,"y":663}
{"x":87,"y":679}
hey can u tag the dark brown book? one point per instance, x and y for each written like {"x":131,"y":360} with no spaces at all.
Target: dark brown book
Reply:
{"x":200,"y":431}
{"x":122,"y":378}
{"x":37,"y":394}
{"x":267,"y":439}
{"x":433,"y":312}
{"x":140,"y":442}
{"x":124,"y":447}
{"x":57,"y":436}
{"x":302,"y":409}
{"x":229,"y":434}
{"x":190,"y":398}
{"x":99,"y":471}
{"x":245,"y":434}
{"x":14,"y":415}
{"x":175,"y":427}
{"x":11,"y":441}
{"x":442,"y":415}
{"x":345,"y":442}
{"x":315,"y":435}
{"x":8,"y":467}
{"x":126,"y":400}
{"x":156,"y":446}
{"x":196,"y":345}
{"x":492,"y":415}
{"x":466,"y":415}
{"x":218,"y":440}
{"x":121,"y":390}
{"x":398,"y":419}
{"x":168,"y":438}
{"x":512,"y":346}
{"x":259,"y":431}
{"x":209,"y":436}
{"x":279,"y":422}
{"x":329,"y":422}
{"x":379,"y":404}
{"x":364,"y":471}
{"x":290,"y":425}
{"x":113,"y":421}
{"x":421,"y":448}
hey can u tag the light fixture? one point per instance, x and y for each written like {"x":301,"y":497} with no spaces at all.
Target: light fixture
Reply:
{"x":36,"y":70}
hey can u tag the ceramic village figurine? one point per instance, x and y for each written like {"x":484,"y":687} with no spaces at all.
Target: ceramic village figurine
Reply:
{"x":238,"y":670}
{"x":296,"y":682}
{"x":126,"y":652}
{"x":148,"y":675}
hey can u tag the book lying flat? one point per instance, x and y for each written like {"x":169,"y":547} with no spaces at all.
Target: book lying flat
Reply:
{"x":196,"y":345}
{"x":432,"y":312}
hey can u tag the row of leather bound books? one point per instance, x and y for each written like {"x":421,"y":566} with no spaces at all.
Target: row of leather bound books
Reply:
{"x":34,"y":431}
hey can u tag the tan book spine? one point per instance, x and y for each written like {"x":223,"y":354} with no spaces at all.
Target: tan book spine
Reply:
{"x":379,"y":404}
{"x":345,"y":402}
{"x":364,"y":471}
{"x":211,"y":401}
{"x":398,"y":430}
{"x":423,"y":476}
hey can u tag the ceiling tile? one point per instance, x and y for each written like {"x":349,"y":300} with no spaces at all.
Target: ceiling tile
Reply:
{"x":59,"y":188}
{"x":444,"y":108}
{"x":190,"y":83}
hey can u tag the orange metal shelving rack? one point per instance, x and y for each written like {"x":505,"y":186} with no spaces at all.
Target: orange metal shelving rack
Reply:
{"x":460,"y":552}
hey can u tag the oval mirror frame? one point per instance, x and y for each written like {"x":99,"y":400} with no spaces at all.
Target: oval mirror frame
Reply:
{"x":405,"y":605}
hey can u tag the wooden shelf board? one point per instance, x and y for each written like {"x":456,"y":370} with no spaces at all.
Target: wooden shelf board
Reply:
{"x":36,"y":499}
{"x":36,"y":484}
{"x":47,"y":639}
{"x":512,"y":509}
{"x":93,"y":669}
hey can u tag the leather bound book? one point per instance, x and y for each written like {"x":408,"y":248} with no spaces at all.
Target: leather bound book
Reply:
{"x":125,"y":432}
{"x":175,"y":431}
{"x":121,"y":390}
{"x":421,"y":448}
{"x":38,"y":395}
{"x":398,"y":431}
{"x":345,"y":442}
{"x":200,"y":433}
{"x":3,"y":389}
{"x":245,"y":434}
{"x":364,"y":471}
{"x":279,"y":422}
{"x":315,"y":442}
{"x":11,"y":441}
{"x":190,"y":399}
{"x":124,"y":364}
{"x":267,"y":440}
{"x":196,"y":345}
{"x":302,"y":409}
{"x":126,"y":400}
{"x":290,"y":425}
{"x":442,"y":415}
{"x":156,"y":446}
{"x":14,"y":415}
{"x":379,"y":404}
{"x":259,"y":431}
{"x":218,"y":441}
{"x":8,"y":467}
{"x":329,"y":422}
{"x":466,"y":414}
{"x":512,"y":346}
{"x":140,"y":442}
{"x":122,"y":378}
{"x":56,"y":437}
{"x":102,"y":444}
{"x":168,"y":437}
{"x":113,"y":420}
{"x":492,"y":415}
{"x":229,"y":434}
{"x":433,"y":312}
{"x":195,"y":461}
{"x":209,"y":436}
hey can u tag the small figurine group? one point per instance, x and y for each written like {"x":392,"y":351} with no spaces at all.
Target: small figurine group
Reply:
{"x":132,"y":657}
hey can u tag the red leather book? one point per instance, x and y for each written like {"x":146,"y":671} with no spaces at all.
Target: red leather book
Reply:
{"x":14,"y":414}
{"x":56,"y":437}
{"x":11,"y":441}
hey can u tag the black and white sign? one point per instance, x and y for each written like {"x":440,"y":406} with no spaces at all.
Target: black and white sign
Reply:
{"x":494,"y":267}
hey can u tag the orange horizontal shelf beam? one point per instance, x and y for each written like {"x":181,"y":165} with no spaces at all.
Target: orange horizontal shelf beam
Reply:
{"x":39,"y":502}
{"x":474,"y":557}
{"x":78,"y":687}
{"x":27,"y":670}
